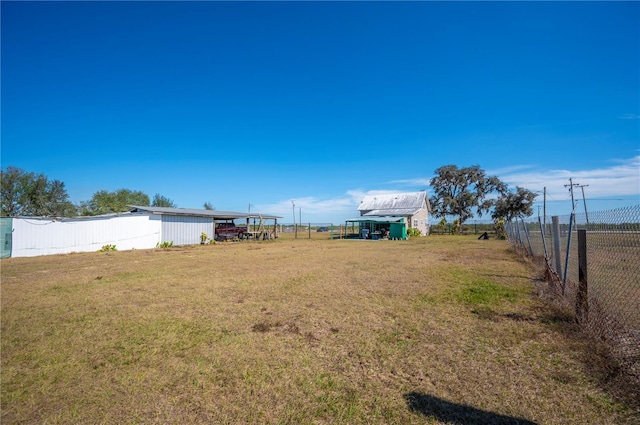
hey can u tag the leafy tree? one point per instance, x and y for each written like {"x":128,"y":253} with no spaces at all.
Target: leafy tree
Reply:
{"x":162,"y":201}
{"x":12,"y":191}
{"x":512,"y":205}
{"x":105,"y":202}
{"x":29,"y":194}
{"x":458,"y":191}
{"x":208,"y":206}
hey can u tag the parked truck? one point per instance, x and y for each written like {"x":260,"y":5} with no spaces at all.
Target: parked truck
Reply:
{"x":229,"y":230}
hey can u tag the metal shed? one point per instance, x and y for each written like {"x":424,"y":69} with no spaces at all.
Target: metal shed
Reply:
{"x":377,"y":227}
{"x":183,"y":226}
{"x":140,"y":228}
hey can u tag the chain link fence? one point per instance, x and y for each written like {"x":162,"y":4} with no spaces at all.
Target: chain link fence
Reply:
{"x":593,"y":263}
{"x":313,"y":231}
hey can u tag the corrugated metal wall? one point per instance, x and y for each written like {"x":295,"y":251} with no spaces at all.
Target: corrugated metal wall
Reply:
{"x":183,"y":230}
{"x":36,"y":236}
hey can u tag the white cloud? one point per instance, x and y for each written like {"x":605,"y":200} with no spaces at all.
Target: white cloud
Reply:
{"x":508,"y":170}
{"x":622,"y":179}
{"x":630,"y":117}
{"x":313,"y":209}
{"x":413,"y":182}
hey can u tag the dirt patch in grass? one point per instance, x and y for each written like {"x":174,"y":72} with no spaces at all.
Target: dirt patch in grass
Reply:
{"x":431,"y":330}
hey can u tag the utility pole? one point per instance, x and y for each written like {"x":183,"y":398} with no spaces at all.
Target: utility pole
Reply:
{"x":571,"y":186}
{"x":584,"y":201}
{"x":293,"y":203}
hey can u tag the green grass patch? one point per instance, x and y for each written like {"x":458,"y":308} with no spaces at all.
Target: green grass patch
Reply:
{"x":476,"y":289}
{"x":485,"y":292}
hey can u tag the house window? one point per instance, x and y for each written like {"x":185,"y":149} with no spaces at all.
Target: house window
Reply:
{"x":415,"y":222}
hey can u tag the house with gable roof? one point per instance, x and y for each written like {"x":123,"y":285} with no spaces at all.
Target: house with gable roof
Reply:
{"x":382,"y":212}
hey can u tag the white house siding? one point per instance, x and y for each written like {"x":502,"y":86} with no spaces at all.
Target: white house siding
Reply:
{"x":423,"y":221}
{"x":34,"y":236}
{"x":185,"y":230}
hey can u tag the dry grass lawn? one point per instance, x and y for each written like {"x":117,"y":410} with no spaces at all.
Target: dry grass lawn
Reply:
{"x":433,"y":330}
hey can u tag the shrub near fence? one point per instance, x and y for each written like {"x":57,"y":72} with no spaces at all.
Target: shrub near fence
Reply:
{"x":593,"y":263}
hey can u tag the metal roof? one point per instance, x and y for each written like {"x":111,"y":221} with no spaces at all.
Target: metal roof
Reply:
{"x":383,"y":203}
{"x":403,"y":212}
{"x":215,"y":214}
{"x":377,"y":219}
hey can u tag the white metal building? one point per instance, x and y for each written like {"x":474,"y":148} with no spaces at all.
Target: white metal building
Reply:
{"x":140,"y":228}
{"x":34,"y":236}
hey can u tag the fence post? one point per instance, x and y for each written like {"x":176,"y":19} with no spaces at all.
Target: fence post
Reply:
{"x":555,"y":223}
{"x":544,"y":242}
{"x":309,"y":230}
{"x":526,"y":233}
{"x":572,"y":218}
{"x":582,"y":299}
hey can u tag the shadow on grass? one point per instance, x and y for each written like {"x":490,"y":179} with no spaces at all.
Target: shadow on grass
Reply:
{"x":457,"y":414}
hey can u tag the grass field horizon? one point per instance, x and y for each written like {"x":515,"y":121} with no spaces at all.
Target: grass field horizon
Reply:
{"x":445,"y":329}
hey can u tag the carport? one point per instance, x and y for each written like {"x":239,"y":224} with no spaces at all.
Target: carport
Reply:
{"x":184,"y":226}
{"x":380,"y":227}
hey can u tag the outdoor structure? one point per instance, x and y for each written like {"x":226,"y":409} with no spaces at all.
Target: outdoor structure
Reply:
{"x":183,"y":226}
{"x":390,"y":215}
{"x":140,"y":228}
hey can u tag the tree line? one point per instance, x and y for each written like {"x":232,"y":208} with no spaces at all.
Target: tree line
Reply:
{"x":458,"y":192}
{"x":29,"y":194}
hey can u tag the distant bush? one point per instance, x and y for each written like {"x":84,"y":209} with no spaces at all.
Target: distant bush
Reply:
{"x":456,"y":227}
{"x":413,"y":232}
{"x":500,"y":228}
{"x":164,"y":245}
{"x":107,"y":248}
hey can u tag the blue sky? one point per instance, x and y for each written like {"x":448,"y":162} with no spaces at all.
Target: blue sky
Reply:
{"x":262,"y":103}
